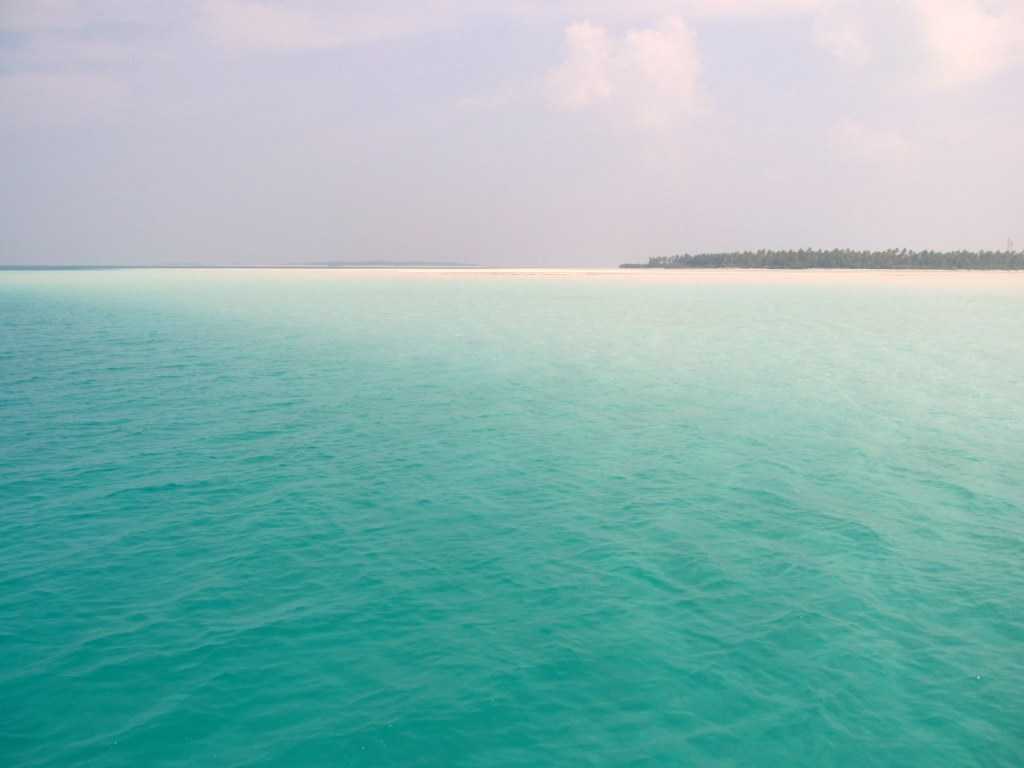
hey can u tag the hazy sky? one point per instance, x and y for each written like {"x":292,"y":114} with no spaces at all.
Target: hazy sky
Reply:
{"x":523,"y":132}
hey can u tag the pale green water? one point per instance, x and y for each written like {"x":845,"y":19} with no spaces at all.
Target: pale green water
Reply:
{"x":249,"y":519}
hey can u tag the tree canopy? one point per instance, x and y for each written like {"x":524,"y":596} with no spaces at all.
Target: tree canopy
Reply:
{"x":840,"y":258}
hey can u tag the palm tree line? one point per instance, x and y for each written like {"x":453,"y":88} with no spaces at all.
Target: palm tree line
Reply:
{"x":840,"y":258}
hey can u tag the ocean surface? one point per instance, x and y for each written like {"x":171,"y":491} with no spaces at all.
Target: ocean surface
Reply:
{"x":372,"y":518}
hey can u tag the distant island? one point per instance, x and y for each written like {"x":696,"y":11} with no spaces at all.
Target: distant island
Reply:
{"x":838,"y":259}
{"x":223,"y":265}
{"x":389,"y":264}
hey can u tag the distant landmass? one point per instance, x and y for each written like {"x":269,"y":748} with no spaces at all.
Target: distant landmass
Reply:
{"x":388,"y":264}
{"x":839,"y":259}
{"x":221,"y":265}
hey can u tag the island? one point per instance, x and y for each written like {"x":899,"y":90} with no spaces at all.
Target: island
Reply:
{"x":839,"y":258}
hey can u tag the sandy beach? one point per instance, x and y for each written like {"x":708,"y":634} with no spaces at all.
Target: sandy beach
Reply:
{"x":984,"y":279}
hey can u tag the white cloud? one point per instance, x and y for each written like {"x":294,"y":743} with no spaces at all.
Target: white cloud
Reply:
{"x":585,"y":78}
{"x":651,"y":75}
{"x":969,"y":40}
{"x":965,"y":40}
{"x":961,"y":41}
{"x":869,"y":144}
{"x":663,"y":69}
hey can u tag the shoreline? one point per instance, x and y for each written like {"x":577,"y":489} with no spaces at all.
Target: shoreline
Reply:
{"x":485,"y":269}
{"x":696,"y":276}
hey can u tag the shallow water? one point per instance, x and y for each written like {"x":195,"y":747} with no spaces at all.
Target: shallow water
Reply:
{"x":364,"y":519}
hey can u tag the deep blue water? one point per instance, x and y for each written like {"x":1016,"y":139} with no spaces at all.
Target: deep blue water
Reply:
{"x":253,"y":518}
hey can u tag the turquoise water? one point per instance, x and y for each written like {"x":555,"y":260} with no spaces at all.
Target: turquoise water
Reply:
{"x":252,"y":518}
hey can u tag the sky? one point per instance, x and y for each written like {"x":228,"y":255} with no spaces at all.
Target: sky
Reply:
{"x":558,"y":133}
